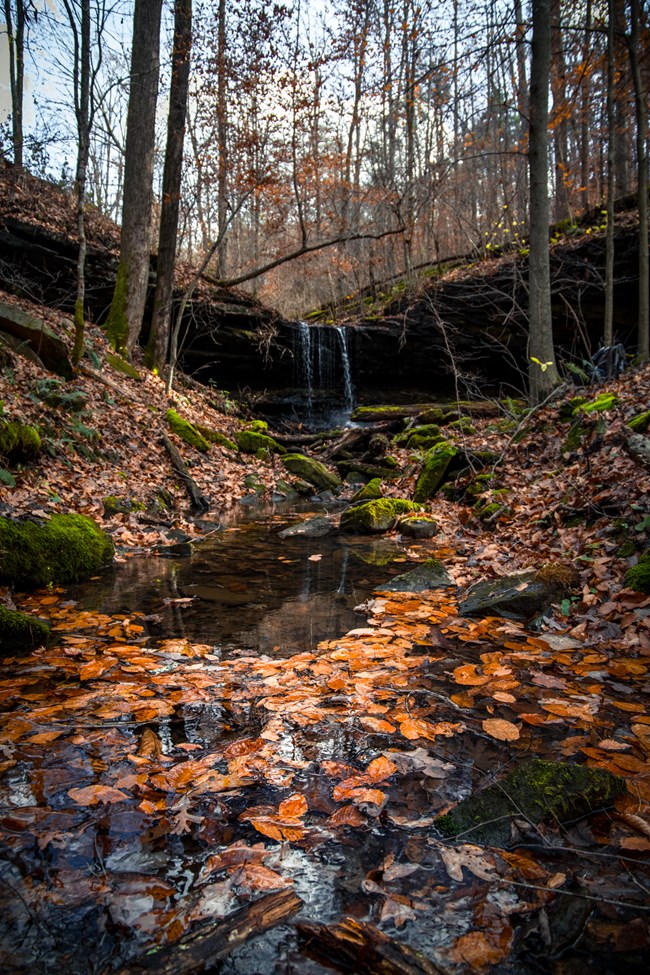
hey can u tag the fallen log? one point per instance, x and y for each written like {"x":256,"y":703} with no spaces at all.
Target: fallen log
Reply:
{"x":199,"y":949}
{"x":353,"y":946}
{"x":199,"y":501}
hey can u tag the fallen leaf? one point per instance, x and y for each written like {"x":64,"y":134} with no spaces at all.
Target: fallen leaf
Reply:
{"x":501,"y":729}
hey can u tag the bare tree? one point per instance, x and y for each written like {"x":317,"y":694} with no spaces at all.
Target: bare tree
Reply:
{"x":127,"y":308}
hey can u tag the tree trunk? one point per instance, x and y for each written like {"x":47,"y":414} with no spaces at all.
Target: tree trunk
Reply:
{"x":127,"y":308}
{"x":16,"y":44}
{"x":542,"y":371}
{"x":643,"y":349}
{"x":222,"y":140}
{"x":162,"y":305}
{"x":608,"y":324}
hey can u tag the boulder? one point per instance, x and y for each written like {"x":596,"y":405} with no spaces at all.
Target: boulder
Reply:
{"x":375,"y":517}
{"x":317,"y":527}
{"x":312,"y":471}
{"x":252,"y":441}
{"x":430,"y":575}
{"x":59,"y":549}
{"x":187,"y":432}
{"x":369,"y":492}
{"x":537,"y":791}
{"x":638,"y":577}
{"x":38,"y":337}
{"x":516,"y":597}
{"x":418,"y":526}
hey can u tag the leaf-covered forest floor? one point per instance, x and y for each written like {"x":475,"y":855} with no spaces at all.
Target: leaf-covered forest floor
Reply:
{"x":324,"y":771}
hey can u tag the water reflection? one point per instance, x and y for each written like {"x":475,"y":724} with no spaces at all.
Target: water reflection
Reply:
{"x":243,"y":589}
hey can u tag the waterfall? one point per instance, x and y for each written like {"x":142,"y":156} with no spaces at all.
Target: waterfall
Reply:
{"x":305,"y":371}
{"x":348,"y":390}
{"x":323,"y":369}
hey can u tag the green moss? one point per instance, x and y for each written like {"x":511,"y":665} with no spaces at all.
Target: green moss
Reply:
{"x":21,"y":631}
{"x":640,"y":423}
{"x":121,"y":506}
{"x":627,"y":550}
{"x":311,"y":470}
{"x":463,"y":425}
{"x":375,"y":517}
{"x":479,"y":484}
{"x":121,"y":365}
{"x":536,"y":791}
{"x":433,"y":472}
{"x":65,"y":548}
{"x":606,"y":401}
{"x":568,"y":409}
{"x":19,"y":442}
{"x":423,"y":431}
{"x":250,"y":442}
{"x":213,"y":436}
{"x":486,"y":512}
{"x":369,"y":492}
{"x":117,"y":324}
{"x":638,"y":577}
{"x":187,"y":432}
{"x":258,"y":426}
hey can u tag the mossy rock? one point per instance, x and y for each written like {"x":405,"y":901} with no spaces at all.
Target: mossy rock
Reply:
{"x":463,"y":425}
{"x":19,"y":442}
{"x":20,"y":631}
{"x":375,"y":517}
{"x":638,"y":577}
{"x":369,"y":471}
{"x":487,"y":512}
{"x":65,"y":548}
{"x":602,"y":403}
{"x":433,"y":472}
{"x":537,"y":791}
{"x":312,"y":471}
{"x":479,"y":484}
{"x":121,"y":365}
{"x":187,"y":432}
{"x":627,"y":549}
{"x":250,"y":442}
{"x":369,"y":492}
{"x":121,"y":506}
{"x":567,"y":410}
{"x":430,"y":575}
{"x":426,"y":431}
{"x":416,"y":525}
{"x":425,"y":442}
{"x":640,"y":423}
{"x":258,"y":426}
{"x":213,"y":436}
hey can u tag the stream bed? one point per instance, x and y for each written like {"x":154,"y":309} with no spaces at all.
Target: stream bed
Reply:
{"x":213,"y":727}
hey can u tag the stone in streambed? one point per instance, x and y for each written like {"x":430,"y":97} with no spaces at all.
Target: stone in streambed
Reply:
{"x":311,"y":470}
{"x":418,"y":526}
{"x":516,"y":597}
{"x":375,"y":517}
{"x":318,"y":527}
{"x":430,"y":575}
{"x":537,"y":791}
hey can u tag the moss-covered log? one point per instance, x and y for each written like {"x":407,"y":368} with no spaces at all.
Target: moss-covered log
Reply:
{"x":187,"y":432}
{"x":61,"y":549}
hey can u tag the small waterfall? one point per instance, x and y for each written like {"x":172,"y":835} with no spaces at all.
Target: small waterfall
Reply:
{"x":305,"y":371}
{"x":323,"y":369}
{"x":348,"y":390}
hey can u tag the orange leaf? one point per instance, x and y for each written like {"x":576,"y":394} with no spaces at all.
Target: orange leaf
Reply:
{"x":91,"y":795}
{"x":476,"y":951}
{"x":467,"y":675}
{"x":377,"y":724}
{"x":278,"y":831}
{"x":293,"y":808}
{"x":347,"y":816}
{"x":501,"y":729}
{"x":379,"y":769}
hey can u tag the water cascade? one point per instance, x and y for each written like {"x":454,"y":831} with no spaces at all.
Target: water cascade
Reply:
{"x":323,"y":371}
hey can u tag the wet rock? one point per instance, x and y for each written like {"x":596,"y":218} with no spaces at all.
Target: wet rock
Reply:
{"x":418,"y":526}
{"x":535,"y":792}
{"x":20,"y":631}
{"x":375,"y":517}
{"x":430,"y":575}
{"x":369,"y":492}
{"x":516,"y":597}
{"x":317,"y":527}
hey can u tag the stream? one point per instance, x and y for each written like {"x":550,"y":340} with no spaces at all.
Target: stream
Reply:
{"x":192,"y":649}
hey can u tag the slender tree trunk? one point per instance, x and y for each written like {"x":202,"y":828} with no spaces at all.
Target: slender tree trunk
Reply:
{"x":222,"y":139}
{"x":160,"y":323}
{"x":643,"y":349}
{"x":584,"y":112}
{"x":16,"y":43}
{"x":560,"y":116}
{"x":543,"y":373}
{"x":127,"y":308}
{"x":82,"y":111}
{"x":608,"y":324}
